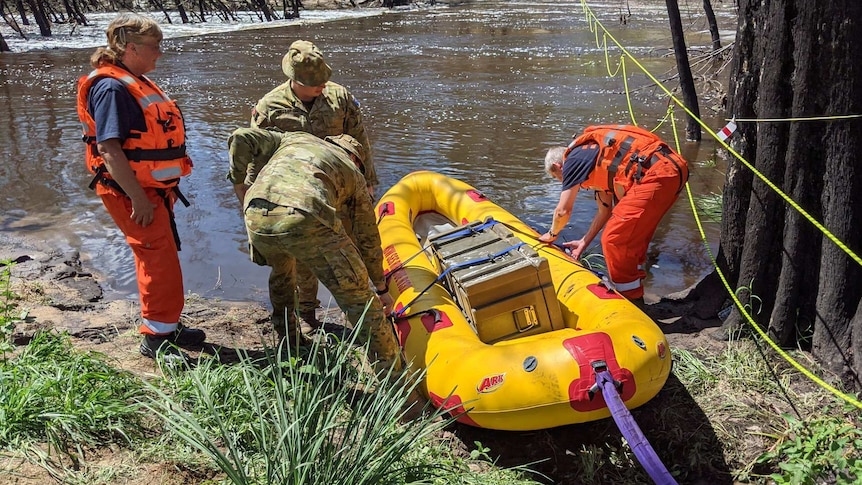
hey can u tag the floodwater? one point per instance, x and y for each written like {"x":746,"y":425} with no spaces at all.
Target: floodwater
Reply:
{"x":478,"y":92}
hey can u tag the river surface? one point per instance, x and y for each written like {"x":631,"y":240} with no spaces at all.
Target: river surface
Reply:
{"x":478,"y":92}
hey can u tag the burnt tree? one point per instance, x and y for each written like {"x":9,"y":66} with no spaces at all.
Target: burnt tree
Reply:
{"x":37,"y":8}
{"x":796,"y":59}
{"x":713,"y":25}
{"x":683,"y":68}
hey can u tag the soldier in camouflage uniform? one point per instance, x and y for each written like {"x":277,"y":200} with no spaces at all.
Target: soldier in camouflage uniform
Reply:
{"x":310,"y":102}
{"x":298,"y":192}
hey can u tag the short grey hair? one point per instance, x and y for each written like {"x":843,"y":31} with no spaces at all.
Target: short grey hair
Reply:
{"x":554,"y":155}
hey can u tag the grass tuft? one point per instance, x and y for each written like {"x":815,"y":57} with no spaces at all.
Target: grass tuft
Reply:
{"x":303,"y":418}
{"x":58,"y":401}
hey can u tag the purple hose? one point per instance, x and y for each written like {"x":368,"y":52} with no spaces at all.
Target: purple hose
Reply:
{"x":630,"y":430}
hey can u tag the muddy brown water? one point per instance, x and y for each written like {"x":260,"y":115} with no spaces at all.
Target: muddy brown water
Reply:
{"x":477,"y":92}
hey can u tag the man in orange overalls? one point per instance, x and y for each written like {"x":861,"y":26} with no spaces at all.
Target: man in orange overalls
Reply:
{"x":636,"y":178}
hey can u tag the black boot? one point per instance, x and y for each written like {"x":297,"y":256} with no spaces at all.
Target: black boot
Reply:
{"x":187,"y":337}
{"x":160,"y":346}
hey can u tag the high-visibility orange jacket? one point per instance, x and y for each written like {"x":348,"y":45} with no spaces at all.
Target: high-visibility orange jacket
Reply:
{"x":157,"y":155}
{"x":626,"y":152}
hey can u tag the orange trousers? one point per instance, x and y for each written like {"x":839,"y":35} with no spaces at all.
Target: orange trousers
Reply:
{"x":633,"y":222}
{"x":157,"y":262}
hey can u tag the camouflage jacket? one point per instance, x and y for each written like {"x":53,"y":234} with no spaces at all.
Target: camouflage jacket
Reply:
{"x":334,"y":112}
{"x":302,"y":171}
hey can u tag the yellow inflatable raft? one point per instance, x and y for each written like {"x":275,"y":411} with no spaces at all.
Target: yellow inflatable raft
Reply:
{"x":510,"y":331}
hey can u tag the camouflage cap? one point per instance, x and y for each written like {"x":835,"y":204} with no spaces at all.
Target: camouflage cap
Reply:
{"x":304,"y":64}
{"x":349,"y":144}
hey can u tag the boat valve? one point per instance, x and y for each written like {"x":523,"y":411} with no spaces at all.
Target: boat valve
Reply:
{"x":600,"y":366}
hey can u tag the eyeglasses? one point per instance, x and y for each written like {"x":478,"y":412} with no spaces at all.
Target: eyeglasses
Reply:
{"x":157,"y":46}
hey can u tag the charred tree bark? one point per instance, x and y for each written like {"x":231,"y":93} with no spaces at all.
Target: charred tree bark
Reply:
{"x":22,"y":12}
{"x":184,"y":17}
{"x":686,"y":80}
{"x":74,"y":12}
{"x":834,"y":52}
{"x":761,"y":252}
{"x":263,"y":7}
{"x":797,"y":283}
{"x":161,"y":6}
{"x":38,"y":11}
{"x":713,"y":25}
{"x":794,"y":59}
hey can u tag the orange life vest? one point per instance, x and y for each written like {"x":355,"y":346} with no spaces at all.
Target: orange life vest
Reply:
{"x":625,"y":153}
{"x":157,"y":155}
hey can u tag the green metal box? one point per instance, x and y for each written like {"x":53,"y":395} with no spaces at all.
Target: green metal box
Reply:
{"x":502,"y":285}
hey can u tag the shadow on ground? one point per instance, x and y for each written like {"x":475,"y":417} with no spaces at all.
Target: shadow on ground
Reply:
{"x":673,"y":423}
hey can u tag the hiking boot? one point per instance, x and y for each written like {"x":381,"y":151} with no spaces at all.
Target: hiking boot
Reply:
{"x":161,"y":347}
{"x":295,"y":341}
{"x":187,"y":337}
{"x":308,"y":321}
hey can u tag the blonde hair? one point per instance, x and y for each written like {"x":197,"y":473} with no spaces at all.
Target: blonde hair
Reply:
{"x":554,"y":155}
{"x":127,"y":27}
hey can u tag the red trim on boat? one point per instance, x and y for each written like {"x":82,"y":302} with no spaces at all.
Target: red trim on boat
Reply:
{"x":585,"y":350}
{"x":386,"y":209}
{"x":603,"y":292}
{"x":454,"y":406}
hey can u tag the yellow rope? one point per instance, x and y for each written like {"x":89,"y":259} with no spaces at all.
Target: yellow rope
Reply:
{"x":594,"y":23}
{"x":809,"y":118}
{"x":741,"y":307}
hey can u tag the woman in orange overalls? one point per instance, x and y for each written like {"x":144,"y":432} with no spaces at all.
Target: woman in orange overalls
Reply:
{"x":136,"y":152}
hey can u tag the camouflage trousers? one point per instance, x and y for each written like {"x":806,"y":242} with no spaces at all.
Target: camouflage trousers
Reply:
{"x":283,"y":235}
{"x":306,"y":282}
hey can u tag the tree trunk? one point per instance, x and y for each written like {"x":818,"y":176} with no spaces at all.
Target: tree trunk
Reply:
{"x":38,"y":11}
{"x":294,"y":9}
{"x":835,"y":30}
{"x":263,"y":7}
{"x":10,"y":21}
{"x":795,"y":59}
{"x":161,"y":7}
{"x":184,"y":17}
{"x":686,"y":81}
{"x":22,"y":12}
{"x":713,"y":25}
{"x":74,"y":12}
{"x":4,"y":47}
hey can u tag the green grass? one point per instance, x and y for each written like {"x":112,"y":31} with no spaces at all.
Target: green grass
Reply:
{"x":307,"y":418}
{"x":8,"y":306}
{"x":825,"y":449}
{"x":56,"y":402}
{"x":710,"y":206}
{"x":808,"y":437}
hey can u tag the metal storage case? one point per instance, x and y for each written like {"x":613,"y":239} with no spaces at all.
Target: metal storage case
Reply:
{"x":503,"y":286}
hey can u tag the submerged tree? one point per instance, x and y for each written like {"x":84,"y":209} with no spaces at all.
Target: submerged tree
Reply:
{"x":683,"y":68}
{"x":713,"y":25}
{"x":798,"y":59}
{"x":46,"y":12}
